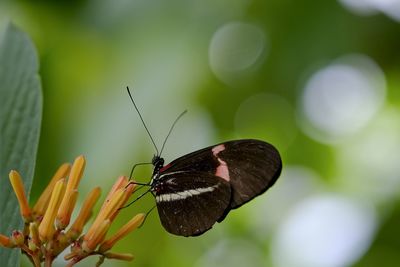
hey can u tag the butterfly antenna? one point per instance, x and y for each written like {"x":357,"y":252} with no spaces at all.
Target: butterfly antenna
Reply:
{"x":141,"y":118}
{"x":170,"y":130}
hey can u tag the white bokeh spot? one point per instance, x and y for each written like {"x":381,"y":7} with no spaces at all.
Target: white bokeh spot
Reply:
{"x":295,"y":184}
{"x":371,"y":160}
{"x":235,"y":47}
{"x":341,"y":98}
{"x":391,"y":8}
{"x":324,"y":231}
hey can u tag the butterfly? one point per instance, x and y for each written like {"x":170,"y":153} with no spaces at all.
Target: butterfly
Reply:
{"x":196,"y":190}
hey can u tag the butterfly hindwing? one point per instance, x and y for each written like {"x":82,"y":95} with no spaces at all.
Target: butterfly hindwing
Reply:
{"x":253,"y":165}
{"x":189,"y":203}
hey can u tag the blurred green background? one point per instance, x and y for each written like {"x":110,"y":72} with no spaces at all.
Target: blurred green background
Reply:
{"x":318,"y":79}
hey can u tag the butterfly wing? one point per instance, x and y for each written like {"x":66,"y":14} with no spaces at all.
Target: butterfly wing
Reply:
{"x":189,"y":203}
{"x":254,"y":166}
{"x":250,"y":166}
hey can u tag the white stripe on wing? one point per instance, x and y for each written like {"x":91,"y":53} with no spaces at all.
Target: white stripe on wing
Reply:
{"x":184,"y":194}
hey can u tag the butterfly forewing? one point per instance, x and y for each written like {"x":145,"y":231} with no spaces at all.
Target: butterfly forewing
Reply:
{"x":190,"y":203}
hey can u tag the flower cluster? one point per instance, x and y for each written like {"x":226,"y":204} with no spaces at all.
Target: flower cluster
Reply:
{"x":48,"y":232}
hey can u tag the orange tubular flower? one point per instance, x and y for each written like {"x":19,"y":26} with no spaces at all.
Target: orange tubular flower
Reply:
{"x":41,"y":205}
{"x":18,"y":186}
{"x":134,"y":223}
{"x":5,"y":241}
{"x":90,"y":245}
{"x":70,"y":196}
{"x":46,"y":227}
{"x":120,"y":183}
{"x":47,"y":231}
{"x":84,"y":214}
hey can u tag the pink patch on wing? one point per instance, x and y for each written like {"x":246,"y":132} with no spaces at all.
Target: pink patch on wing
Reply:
{"x":222,"y":169}
{"x":217,"y":149}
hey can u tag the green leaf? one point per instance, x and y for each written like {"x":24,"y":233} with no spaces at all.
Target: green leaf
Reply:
{"x":20,"y":118}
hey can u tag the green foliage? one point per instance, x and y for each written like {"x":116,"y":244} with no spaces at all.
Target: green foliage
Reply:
{"x":20,"y":119}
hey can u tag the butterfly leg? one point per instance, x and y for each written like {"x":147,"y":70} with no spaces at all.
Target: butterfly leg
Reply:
{"x":147,"y":214}
{"x":134,"y":166}
{"x":139,"y":197}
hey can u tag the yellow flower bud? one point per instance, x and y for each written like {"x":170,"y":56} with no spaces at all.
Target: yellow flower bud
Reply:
{"x":18,"y":186}
{"x":84,"y":214}
{"x":5,"y":241}
{"x":46,"y":227}
{"x":134,"y":223}
{"x":68,"y":202}
{"x":40,"y":207}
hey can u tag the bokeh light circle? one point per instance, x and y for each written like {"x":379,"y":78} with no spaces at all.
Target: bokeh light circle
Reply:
{"x":360,"y":7}
{"x":368,"y":7}
{"x":296,"y":183}
{"x":371,"y":160}
{"x":390,"y":7}
{"x":341,"y":98}
{"x":235,"y":47}
{"x":324,"y":231}
{"x":268,"y":117}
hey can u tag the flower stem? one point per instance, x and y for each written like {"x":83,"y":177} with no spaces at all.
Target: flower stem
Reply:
{"x":36,"y":261}
{"x":48,"y":261}
{"x":33,"y":257}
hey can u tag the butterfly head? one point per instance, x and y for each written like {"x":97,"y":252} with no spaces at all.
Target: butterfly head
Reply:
{"x":158,"y":163}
